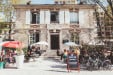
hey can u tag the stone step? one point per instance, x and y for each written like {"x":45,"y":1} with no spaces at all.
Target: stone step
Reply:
{"x":50,"y":54}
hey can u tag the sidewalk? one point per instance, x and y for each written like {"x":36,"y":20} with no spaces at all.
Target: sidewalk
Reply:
{"x":48,"y":66}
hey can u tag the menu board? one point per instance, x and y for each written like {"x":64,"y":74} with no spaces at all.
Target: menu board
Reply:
{"x":72,"y":62}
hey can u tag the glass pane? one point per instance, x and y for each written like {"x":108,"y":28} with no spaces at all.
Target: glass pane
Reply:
{"x":73,"y":17}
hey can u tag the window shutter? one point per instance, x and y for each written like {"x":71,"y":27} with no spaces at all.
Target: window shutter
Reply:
{"x":81,"y":18}
{"x":28,"y":17}
{"x":61,"y":17}
{"x":67,"y":17}
{"x":47,"y":17}
{"x":42,"y":20}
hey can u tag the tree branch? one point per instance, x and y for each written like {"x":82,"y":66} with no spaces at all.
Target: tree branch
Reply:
{"x":104,"y":8}
{"x":110,"y":5}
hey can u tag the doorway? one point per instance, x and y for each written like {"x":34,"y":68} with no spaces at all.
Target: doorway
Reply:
{"x":55,"y":41}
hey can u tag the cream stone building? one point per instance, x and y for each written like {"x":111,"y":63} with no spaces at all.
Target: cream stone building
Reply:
{"x":55,"y":24}
{"x":65,"y":1}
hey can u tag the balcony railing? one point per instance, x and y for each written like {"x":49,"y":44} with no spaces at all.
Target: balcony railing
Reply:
{"x":58,"y":26}
{"x":53,"y":26}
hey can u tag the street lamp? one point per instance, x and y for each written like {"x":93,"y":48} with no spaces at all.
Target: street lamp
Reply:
{"x":10,"y":29}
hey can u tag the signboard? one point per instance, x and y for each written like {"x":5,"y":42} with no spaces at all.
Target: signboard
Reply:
{"x":72,"y":62}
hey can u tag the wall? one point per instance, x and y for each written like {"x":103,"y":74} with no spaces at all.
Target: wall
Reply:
{"x":85,"y":22}
{"x":87,"y":25}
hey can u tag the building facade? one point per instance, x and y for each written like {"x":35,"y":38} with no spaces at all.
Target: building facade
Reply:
{"x":65,"y":1}
{"x":55,"y":24}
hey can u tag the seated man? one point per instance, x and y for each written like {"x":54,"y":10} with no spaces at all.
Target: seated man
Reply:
{"x":28,"y":56}
{"x":38,"y":52}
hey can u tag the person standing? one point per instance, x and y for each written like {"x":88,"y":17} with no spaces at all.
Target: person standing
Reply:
{"x":77,"y":51}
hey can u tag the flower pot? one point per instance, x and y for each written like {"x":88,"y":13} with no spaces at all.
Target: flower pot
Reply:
{"x":19,"y":61}
{"x":1,"y":65}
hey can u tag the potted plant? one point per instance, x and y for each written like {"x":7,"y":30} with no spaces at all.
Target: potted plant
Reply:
{"x":19,"y":58}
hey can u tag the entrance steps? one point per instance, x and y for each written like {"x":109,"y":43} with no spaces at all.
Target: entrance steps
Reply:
{"x":50,"y":54}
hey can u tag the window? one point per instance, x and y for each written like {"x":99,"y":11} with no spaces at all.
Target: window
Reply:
{"x":54,"y":17}
{"x":34,"y":37}
{"x":35,"y":17}
{"x":99,"y":34}
{"x":107,"y":33}
{"x":75,"y":37}
{"x":107,"y":28}
{"x":74,"y":17}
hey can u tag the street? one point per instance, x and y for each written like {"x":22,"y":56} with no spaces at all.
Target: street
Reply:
{"x":48,"y":66}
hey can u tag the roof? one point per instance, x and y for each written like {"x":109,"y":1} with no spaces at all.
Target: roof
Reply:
{"x":58,"y":6}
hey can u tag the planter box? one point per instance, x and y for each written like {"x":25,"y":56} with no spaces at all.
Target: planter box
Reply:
{"x":19,"y":61}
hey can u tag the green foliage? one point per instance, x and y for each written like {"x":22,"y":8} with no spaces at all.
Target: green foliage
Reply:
{"x":6,"y":8}
{"x":25,"y":50}
{"x":4,"y":26}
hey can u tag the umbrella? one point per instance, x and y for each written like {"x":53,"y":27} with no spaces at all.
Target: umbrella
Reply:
{"x":41,"y":43}
{"x":71,"y":44}
{"x":96,"y":43}
{"x":101,"y":43}
{"x":11,"y":44}
{"x":91,"y":43}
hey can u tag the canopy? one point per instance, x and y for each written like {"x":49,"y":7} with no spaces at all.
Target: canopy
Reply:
{"x":11,"y":44}
{"x":41,"y":43}
{"x":71,"y":44}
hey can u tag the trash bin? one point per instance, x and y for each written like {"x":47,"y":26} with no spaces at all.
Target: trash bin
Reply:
{"x":1,"y":65}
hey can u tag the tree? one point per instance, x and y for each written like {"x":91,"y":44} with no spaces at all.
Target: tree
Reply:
{"x":107,"y":6}
{"x":7,"y":9}
{"x":103,"y":4}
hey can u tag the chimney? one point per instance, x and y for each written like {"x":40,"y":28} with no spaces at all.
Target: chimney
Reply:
{"x":28,"y":3}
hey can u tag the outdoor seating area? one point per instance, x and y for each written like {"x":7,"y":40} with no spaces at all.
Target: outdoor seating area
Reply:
{"x":12,"y":53}
{"x":32,"y":53}
{"x":89,"y":58}
{"x":77,"y":57}
{"x":9,"y":52}
{"x":34,"y":50}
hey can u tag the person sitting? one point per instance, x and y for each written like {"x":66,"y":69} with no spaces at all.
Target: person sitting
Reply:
{"x":28,"y":55}
{"x":33,"y":54}
{"x":58,"y":53}
{"x":37,"y":51}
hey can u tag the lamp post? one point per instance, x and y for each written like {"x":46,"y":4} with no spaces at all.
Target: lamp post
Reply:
{"x":10,"y":29}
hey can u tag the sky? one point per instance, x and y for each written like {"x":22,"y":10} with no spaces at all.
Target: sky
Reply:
{"x":42,"y":1}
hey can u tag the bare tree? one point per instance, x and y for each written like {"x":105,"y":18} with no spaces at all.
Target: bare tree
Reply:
{"x":7,"y":9}
{"x":103,"y":4}
{"x":107,"y":6}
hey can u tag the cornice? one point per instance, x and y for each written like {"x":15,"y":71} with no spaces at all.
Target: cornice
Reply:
{"x":57,"y":6}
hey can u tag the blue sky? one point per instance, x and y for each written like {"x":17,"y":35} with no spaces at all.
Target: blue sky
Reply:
{"x":42,"y":1}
